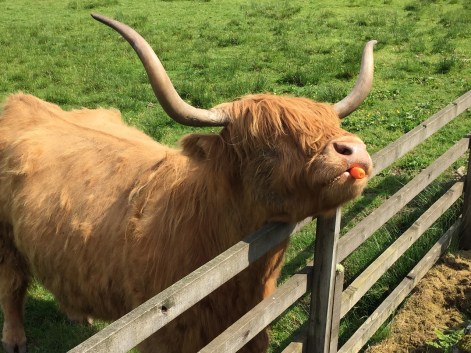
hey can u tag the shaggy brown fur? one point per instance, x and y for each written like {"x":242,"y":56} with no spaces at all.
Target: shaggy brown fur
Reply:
{"x":137,"y":216}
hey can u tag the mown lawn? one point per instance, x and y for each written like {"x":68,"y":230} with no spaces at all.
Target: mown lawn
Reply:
{"x":216,"y":50}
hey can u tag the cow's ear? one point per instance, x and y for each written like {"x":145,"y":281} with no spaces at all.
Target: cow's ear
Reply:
{"x":200,"y":146}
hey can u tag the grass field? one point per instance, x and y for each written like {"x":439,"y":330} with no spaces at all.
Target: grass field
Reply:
{"x":217,"y":50}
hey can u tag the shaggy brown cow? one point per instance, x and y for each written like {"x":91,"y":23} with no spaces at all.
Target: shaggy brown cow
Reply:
{"x":105,"y":218}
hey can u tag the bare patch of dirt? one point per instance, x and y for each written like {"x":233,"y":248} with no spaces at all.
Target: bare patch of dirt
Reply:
{"x":442,"y":300}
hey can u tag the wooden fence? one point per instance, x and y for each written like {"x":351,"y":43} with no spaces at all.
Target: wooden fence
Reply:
{"x":324,"y":278}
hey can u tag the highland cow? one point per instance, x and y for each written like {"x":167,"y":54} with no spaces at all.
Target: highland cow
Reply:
{"x":105,"y":217}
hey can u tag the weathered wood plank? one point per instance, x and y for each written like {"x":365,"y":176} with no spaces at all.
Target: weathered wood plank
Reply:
{"x":249,"y":325}
{"x":242,"y":331}
{"x":323,"y":282}
{"x":357,"y":289}
{"x":397,"y":296}
{"x":407,"y":142}
{"x":364,"y":229}
{"x":126,"y":332}
{"x":336,"y":307}
{"x":295,"y":347}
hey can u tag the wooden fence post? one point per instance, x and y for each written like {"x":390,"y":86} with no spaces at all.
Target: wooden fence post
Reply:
{"x":465,"y":236}
{"x":323,"y":284}
{"x":336,"y":308}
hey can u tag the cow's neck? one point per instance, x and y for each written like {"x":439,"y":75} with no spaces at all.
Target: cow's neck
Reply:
{"x":199,"y":202}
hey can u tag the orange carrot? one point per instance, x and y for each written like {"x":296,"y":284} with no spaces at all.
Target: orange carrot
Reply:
{"x":357,"y":172}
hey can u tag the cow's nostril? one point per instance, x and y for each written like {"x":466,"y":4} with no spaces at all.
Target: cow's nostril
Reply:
{"x":343,"y":149}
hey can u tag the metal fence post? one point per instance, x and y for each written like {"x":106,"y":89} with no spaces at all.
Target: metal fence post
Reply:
{"x":323,"y":284}
{"x":465,"y":236}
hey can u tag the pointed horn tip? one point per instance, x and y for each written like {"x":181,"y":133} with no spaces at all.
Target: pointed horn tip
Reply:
{"x":371,"y":43}
{"x":96,"y":16}
{"x":172,"y":103}
{"x":362,"y":85}
{"x":101,"y":18}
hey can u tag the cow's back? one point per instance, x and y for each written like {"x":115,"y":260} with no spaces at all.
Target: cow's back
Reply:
{"x":69,"y":185}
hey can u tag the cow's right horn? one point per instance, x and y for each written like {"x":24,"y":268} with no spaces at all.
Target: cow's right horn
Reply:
{"x":362,"y":86}
{"x":171,"y":102}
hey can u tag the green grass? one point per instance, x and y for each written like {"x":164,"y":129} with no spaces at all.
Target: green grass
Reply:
{"x":216,"y":50}
{"x":445,"y":342}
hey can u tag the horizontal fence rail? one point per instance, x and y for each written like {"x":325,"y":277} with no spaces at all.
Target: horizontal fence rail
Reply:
{"x":126,"y":332}
{"x":397,"y":296}
{"x":357,"y":289}
{"x":413,"y":138}
{"x":391,"y":303}
{"x":247,"y":327}
{"x":370,"y":224}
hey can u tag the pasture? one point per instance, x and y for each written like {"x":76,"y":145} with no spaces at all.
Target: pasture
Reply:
{"x":215,"y":51}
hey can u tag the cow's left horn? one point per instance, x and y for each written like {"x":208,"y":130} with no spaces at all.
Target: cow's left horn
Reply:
{"x":171,"y":102}
{"x":362,"y":86}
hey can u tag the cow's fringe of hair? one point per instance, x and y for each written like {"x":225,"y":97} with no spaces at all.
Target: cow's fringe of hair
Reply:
{"x":262,"y":119}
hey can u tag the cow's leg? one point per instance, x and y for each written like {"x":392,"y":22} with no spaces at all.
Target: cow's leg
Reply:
{"x":14,"y":281}
{"x":13,"y":338}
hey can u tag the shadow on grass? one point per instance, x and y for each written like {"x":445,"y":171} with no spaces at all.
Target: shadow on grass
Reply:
{"x":49,"y":330}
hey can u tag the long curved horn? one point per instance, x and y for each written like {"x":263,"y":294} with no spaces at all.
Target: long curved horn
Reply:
{"x":171,"y":102}
{"x":362,"y":86}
